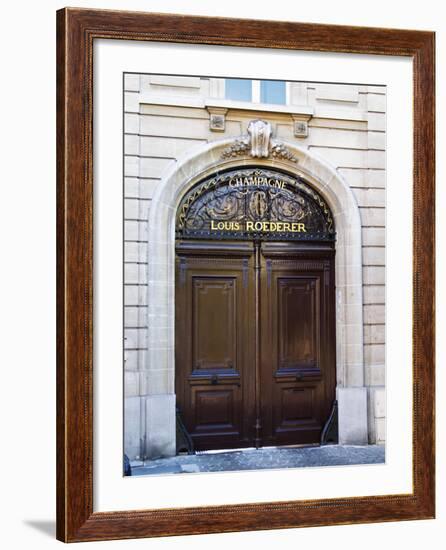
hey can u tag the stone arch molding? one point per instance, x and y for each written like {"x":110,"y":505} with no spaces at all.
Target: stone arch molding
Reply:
{"x":185,"y":173}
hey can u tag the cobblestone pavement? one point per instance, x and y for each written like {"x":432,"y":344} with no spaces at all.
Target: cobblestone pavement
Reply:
{"x":260,"y":459}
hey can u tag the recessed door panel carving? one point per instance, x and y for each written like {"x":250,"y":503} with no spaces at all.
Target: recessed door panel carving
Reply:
{"x":295,"y":416}
{"x":215,"y":409}
{"x":296,"y":406}
{"x":298,"y":322}
{"x":214,"y":323}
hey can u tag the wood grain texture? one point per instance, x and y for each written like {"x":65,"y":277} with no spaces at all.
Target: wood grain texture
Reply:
{"x":288,"y":398}
{"x":76,"y":31}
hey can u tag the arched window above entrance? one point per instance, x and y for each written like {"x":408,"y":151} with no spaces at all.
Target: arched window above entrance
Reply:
{"x":254,"y":203}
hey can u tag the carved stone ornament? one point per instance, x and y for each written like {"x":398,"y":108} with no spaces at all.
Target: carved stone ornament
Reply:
{"x":260,"y":134}
{"x":258,"y":144}
{"x":279,"y":151}
{"x":217,"y":122}
{"x":240,"y":147}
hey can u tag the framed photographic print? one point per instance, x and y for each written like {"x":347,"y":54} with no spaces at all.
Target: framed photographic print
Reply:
{"x":245,"y":275}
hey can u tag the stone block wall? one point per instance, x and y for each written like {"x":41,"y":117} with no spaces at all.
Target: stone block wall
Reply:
{"x":167,"y":117}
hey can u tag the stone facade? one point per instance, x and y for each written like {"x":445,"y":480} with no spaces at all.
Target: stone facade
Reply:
{"x":176,"y":130}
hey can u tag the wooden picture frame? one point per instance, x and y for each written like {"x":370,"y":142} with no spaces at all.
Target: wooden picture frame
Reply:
{"x":76,"y":31}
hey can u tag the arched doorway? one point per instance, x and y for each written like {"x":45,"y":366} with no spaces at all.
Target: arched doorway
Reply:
{"x":255,"y":345}
{"x":157,"y":427}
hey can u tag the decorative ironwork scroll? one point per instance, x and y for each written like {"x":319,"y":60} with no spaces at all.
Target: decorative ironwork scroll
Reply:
{"x":254,"y":203}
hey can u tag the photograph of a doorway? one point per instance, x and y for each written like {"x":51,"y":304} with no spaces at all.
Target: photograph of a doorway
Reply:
{"x":254,"y":289}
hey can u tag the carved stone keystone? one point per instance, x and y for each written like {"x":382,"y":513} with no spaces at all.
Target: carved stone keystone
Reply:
{"x":260,"y":134}
{"x":258,"y":144}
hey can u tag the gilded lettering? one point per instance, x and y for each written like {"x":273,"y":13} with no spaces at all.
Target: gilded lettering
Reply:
{"x":238,"y":181}
{"x":262,"y":226}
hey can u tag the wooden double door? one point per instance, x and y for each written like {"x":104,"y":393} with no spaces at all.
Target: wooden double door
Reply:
{"x":255,"y":342}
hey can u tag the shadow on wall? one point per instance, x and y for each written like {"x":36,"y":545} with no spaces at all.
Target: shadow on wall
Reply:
{"x":47,"y":527}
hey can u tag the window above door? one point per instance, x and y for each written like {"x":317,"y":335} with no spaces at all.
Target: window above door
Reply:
{"x":256,"y":91}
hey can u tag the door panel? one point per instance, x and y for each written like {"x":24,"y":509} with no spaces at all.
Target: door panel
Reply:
{"x":297,"y":335}
{"x":217,"y":412}
{"x":214,"y":321}
{"x":214,"y":345}
{"x":296,"y":409}
{"x":298,"y":322}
